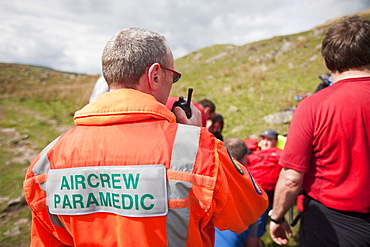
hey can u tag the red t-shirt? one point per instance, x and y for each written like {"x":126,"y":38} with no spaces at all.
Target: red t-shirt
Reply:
{"x":329,"y":140}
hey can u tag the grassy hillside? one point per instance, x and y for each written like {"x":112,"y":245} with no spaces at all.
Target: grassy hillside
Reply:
{"x":246,"y":82}
{"x":251,"y":81}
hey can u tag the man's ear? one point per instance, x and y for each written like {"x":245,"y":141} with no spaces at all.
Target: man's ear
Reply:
{"x":154,"y":76}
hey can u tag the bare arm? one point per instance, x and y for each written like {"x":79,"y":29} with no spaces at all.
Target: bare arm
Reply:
{"x":286,"y":192}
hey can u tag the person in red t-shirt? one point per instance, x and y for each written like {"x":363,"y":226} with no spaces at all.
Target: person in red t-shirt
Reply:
{"x":327,"y":153}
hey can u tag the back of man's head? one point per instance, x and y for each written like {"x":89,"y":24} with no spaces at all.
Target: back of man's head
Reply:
{"x":128,"y":53}
{"x":207,"y":103}
{"x":347,"y":45}
{"x":237,"y":148}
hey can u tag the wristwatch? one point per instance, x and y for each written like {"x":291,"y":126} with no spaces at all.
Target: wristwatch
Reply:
{"x":278,"y":221}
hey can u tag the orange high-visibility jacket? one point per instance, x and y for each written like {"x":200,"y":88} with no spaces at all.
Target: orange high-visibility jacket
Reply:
{"x":128,"y":175}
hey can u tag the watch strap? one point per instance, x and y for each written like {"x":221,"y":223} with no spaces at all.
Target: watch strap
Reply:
{"x":278,"y":221}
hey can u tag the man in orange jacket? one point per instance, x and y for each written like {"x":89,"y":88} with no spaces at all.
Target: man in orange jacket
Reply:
{"x":127,"y":174}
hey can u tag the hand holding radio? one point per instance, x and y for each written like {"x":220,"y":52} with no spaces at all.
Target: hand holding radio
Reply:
{"x":185,"y":105}
{"x":189,"y":113}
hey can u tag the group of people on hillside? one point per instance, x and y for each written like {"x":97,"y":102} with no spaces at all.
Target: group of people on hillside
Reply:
{"x":261,"y":158}
{"x":133,"y":173}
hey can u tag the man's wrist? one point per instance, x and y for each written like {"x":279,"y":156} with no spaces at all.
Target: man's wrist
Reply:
{"x":276,"y":221}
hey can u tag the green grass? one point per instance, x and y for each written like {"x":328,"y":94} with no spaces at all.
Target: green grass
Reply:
{"x":59,"y":111}
{"x":29,"y":122}
{"x":11,"y":176}
{"x":23,"y":239}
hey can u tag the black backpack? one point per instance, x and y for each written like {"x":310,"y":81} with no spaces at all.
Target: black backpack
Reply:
{"x":324,"y":82}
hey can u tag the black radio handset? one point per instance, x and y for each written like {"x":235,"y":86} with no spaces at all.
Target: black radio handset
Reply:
{"x":188,"y":108}
{"x":185,"y":105}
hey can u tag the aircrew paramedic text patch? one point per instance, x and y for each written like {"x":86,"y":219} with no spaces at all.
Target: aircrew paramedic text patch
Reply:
{"x":133,"y":191}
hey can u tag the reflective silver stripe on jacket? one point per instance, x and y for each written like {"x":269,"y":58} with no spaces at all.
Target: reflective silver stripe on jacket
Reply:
{"x":43,"y":164}
{"x":184,"y":152}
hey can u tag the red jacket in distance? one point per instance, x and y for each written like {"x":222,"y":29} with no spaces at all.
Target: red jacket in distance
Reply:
{"x":264,"y":167}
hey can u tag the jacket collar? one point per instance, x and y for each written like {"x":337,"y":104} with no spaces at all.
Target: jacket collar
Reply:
{"x":122,"y":106}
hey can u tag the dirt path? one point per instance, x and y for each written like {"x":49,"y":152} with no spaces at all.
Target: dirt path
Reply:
{"x":19,"y":145}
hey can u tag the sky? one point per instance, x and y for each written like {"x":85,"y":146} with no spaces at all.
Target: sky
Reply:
{"x":69,"y":35}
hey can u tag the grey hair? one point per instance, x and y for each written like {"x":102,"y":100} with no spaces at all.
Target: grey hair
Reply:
{"x":128,"y":53}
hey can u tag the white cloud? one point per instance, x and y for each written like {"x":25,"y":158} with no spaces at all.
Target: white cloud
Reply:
{"x":70,"y":35}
